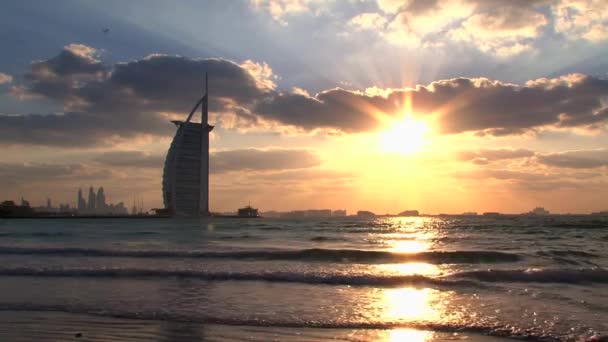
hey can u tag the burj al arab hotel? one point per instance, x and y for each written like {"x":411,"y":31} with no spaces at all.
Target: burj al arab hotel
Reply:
{"x":186,"y":171}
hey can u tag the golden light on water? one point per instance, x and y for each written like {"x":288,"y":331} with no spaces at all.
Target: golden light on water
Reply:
{"x":411,"y":268}
{"x":409,"y":246}
{"x":409,"y":335}
{"x":410,"y":304}
{"x":412,"y":237}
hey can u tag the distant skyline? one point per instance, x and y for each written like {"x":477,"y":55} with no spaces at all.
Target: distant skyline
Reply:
{"x":382,"y":105}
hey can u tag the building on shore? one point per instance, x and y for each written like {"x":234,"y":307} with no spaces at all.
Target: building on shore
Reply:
{"x":81,"y":204}
{"x":248,"y":211}
{"x":10,"y":209}
{"x":365,"y":214}
{"x":338,"y":213}
{"x":97,"y":205}
{"x":186,"y":170}
{"x":538,"y":211}
{"x":409,"y":213}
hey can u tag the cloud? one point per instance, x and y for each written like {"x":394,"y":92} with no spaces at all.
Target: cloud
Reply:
{"x":79,"y":129}
{"x":484,"y":156}
{"x":581,"y":19}
{"x":416,"y":22}
{"x":460,"y":104}
{"x":279,"y":9}
{"x":495,"y":27}
{"x":257,"y":159}
{"x":368,"y":21}
{"x":5,"y":78}
{"x":336,"y":108}
{"x":17,"y":174}
{"x":59,"y":76}
{"x":102,"y":106}
{"x":502,"y":30}
{"x":130,"y":159}
{"x":221,"y":161}
{"x":105,"y":106}
{"x":581,"y":159}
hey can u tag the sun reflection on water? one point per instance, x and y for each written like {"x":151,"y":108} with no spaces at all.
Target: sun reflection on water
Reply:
{"x":410,"y":268}
{"x":409,"y":335}
{"x":410,"y":304}
{"x":411,"y":235}
{"x":408,"y":246}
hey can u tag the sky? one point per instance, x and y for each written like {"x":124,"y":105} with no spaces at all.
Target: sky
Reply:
{"x":383,"y":105}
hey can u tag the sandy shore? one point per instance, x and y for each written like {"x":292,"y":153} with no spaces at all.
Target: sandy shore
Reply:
{"x":57,"y":326}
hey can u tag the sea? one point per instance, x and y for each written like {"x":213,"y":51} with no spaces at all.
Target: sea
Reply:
{"x":413,"y":279}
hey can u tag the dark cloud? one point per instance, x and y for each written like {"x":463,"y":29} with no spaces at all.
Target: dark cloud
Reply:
{"x":130,"y":159}
{"x":78,"y":129}
{"x":12,"y":174}
{"x":60,"y":76}
{"x":222,"y":161}
{"x":129,"y":100}
{"x":583,"y":159}
{"x":255,"y":159}
{"x":5,"y":78}
{"x":103,"y":106}
{"x":484,"y":156}
{"x":337,"y":108}
{"x":462,"y":105}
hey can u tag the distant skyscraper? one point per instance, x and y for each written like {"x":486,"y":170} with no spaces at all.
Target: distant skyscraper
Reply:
{"x":186,"y":171}
{"x":91,"y":203}
{"x":81,"y":204}
{"x":100,"y":202}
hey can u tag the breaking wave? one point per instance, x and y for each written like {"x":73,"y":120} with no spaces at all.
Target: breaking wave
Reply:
{"x":567,"y":276}
{"x":315,"y":254}
{"x":460,"y":279}
{"x":508,"y":331}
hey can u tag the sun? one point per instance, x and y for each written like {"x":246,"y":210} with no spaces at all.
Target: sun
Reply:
{"x":405,"y":137}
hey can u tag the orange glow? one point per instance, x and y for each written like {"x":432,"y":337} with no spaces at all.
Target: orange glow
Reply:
{"x":413,"y":268}
{"x":410,"y":304}
{"x":409,"y":246}
{"x":405,"y":137}
{"x":410,"y":335}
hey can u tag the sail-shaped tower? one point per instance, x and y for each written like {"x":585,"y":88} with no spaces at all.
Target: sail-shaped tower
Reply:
{"x":186,"y":171}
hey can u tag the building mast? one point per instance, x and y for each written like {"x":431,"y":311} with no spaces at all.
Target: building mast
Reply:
{"x":204,"y":166}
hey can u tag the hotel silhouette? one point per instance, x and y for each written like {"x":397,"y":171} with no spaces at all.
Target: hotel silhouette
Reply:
{"x":186,"y":170}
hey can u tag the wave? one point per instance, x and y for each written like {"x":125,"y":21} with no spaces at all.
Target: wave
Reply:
{"x":278,"y":277}
{"x":240,"y":237}
{"x":567,"y":253}
{"x":35,"y":234}
{"x":141,"y":233}
{"x":460,"y":279}
{"x":270,"y":228}
{"x":566,"y":276}
{"x":326,"y":239}
{"x":498,"y":330}
{"x":315,"y":254}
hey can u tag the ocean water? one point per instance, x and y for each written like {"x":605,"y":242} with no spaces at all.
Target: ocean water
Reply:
{"x":347,"y":279}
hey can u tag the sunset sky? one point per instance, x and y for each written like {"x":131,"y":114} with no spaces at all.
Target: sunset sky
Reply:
{"x":383,"y":105}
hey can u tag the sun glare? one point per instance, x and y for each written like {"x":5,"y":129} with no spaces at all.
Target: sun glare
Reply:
{"x":407,"y":136}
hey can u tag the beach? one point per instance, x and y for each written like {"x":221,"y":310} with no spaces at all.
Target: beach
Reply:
{"x":345,"y":279}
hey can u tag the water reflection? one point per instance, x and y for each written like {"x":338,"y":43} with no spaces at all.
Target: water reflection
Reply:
{"x":409,"y":304}
{"x":409,"y":335}
{"x":412,"y":234}
{"x":410,"y":268}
